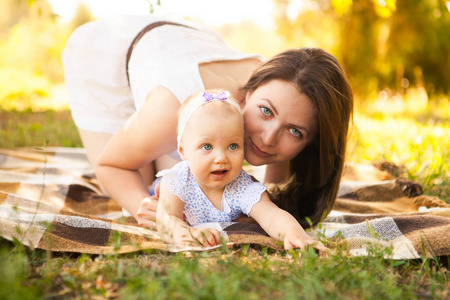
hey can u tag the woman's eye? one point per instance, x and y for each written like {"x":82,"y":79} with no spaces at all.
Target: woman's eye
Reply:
{"x":207,"y":147}
{"x":266,"y":111}
{"x":233,"y":147}
{"x":295,"y":132}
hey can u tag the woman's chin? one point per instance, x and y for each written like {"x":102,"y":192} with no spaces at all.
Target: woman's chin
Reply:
{"x":254,"y":160}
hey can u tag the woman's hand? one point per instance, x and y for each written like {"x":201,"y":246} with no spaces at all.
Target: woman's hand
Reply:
{"x":146,"y":214}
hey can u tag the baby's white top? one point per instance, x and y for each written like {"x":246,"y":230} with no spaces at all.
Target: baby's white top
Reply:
{"x":238,"y":197}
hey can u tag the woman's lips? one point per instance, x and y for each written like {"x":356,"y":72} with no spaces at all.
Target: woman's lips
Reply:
{"x":259,"y":152}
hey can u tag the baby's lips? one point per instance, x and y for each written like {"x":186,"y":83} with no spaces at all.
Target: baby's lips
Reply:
{"x":220,"y":172}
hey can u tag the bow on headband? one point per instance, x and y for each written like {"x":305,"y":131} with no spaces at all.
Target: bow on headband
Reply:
{"x":220,"y":96}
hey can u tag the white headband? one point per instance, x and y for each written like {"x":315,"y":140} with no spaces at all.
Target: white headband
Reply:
{"x":195,"y":103}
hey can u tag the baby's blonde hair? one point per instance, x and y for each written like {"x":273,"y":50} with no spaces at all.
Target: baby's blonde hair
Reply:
{"x":207,"y":97}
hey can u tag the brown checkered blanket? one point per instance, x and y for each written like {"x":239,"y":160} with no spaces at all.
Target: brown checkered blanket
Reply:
{"x":49,"y":199}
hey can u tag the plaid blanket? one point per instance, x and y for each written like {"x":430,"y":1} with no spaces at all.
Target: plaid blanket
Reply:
{"x":50,"y":199}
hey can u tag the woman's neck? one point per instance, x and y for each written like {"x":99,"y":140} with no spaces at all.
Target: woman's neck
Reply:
{"x":277,"y":172}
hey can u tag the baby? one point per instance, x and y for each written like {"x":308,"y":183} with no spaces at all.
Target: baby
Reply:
{"x":209,"y":185}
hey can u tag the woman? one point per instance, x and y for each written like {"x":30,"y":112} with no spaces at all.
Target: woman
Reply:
{"x":128,"y":76}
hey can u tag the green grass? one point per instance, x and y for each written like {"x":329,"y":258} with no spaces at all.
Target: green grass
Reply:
{"x":408,"y":133}
{"x":248,"y":273}
{"x":35,"y":129}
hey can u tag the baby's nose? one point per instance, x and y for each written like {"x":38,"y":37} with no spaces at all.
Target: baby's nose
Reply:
{"x":220,"y":157}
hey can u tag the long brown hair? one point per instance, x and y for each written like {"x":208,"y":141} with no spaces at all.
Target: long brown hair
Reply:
{"x":311,"y":190}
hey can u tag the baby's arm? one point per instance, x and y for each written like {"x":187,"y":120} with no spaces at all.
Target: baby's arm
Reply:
{"x":172,"y":228}
{"x":281,"y":225}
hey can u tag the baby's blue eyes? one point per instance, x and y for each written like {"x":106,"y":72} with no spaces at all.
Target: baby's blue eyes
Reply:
{"x":233,"y":147}
{"x":207,"y":147}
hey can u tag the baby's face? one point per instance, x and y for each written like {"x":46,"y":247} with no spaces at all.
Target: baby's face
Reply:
{"x":213,"y":145}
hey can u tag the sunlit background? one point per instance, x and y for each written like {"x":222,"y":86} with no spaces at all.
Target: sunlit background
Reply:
{"x":214,"y":13}
{"x":389,"y":48}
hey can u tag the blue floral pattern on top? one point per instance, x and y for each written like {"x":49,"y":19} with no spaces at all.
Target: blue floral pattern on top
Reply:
{"x":238,"y":197}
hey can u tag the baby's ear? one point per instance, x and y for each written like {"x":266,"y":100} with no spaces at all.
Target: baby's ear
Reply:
{"x":181,"y":151}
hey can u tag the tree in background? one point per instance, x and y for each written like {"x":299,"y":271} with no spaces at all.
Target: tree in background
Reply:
{"x":381,"y":43}
{"x":361,"y":24}
{"x":419,"y":45}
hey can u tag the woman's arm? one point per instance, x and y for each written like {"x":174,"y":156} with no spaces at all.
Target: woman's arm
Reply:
{"x":148,"y":134}
{"x":281,"y":225}
{"x":172,"y":228}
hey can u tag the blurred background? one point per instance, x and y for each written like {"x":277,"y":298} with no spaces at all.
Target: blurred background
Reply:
{"x":388,"y":47}
{"x":396,"y":54}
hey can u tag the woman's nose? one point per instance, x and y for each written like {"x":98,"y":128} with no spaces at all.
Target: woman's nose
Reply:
{"x":269,"y":137}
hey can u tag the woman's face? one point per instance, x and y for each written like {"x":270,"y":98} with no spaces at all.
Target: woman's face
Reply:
{"x":279,"y":123}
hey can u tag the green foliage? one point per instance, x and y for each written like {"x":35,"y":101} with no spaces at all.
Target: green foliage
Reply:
{"x":18,"y":271}
{"x":360,"y":28}
{"x":419,"y":44}
{"x":382,"y":44}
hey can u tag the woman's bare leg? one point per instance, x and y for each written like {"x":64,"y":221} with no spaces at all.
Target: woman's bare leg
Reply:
{"x":94,"y":142}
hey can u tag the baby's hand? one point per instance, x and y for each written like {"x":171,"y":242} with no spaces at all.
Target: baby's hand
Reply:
{"x":205,"y":236}
{"x":299,"y":240}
